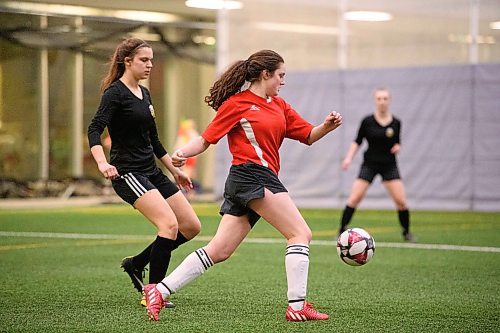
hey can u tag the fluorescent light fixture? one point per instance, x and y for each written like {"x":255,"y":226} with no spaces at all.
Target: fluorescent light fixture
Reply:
{"x":146,"y":36}
{"x":207,"y":40}
{"x":495,"y":25}
{"x":367,"y":16}
{"x":297,"y":28}
{"x":43,"y":8}
{"x":70,"y":10}
{"x":143,"y":16}
{"x":214,"y":4}
{"x":467,"y":39}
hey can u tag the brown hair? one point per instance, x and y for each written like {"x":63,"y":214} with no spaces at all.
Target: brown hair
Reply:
{"x":126,"y":49}
{"x":235,"y":76}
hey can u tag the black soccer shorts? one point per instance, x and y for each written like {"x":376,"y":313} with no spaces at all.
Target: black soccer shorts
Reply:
{"x":387,"y":171}
{"x":131,"y":186}
{"x":244,"y":183}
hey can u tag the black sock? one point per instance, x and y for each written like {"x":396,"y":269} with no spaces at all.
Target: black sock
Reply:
{"x":404,"y":220}
{"x":346,"y":218}
{"x":142,"y":259}
{"x":180,"y":240}
{"x":160,"y":258}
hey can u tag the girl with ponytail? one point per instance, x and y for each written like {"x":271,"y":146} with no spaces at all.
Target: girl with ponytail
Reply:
{"x":127,"y":111}
{"x":256,"y":121}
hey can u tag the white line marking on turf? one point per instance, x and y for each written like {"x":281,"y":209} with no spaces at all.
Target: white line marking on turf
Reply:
{"x":68,"y":235}
{"x":249,"y":240}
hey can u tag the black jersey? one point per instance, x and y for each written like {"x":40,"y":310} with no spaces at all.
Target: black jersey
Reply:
{"x":380,"y":140}
{"x":131,"y":126}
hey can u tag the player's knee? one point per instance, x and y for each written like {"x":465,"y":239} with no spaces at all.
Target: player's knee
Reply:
{"x":303,"y":236}
{"x":400,"y":204}
{"x":167,"y":227}
{"x":308,"y":235}
{"x":191,"y":229}
{"x":221,"y":255}
{"x":196,"y":227}
{"x":354,"y":201}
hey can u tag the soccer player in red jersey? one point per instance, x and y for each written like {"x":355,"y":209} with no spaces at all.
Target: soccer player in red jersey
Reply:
{"x":256,"y":121}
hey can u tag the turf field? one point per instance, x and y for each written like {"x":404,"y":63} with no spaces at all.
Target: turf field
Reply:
{"x":60,"y":273}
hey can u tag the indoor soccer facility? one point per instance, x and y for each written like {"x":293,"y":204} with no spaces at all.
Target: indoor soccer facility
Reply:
{"x":68,"y":240}
{"x":439,"y":59}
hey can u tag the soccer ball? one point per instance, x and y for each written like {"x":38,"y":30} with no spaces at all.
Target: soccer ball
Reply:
{"x":355,"y":246}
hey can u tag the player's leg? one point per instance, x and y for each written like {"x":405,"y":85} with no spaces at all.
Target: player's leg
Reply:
{"x":140,"y":192}
{"x":358,"y":191}
{"x":279,"y":210}
{"x":396,"y":190}
{"x":231,"y":232}
{"x":154,"y":207}
{"x":188,"y":222}
{"x":189,"y":226}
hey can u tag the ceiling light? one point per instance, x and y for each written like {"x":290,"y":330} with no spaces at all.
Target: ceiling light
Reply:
{"x":214,"y":4}
{"x":297,"y":28}
{"x":70,"y":10}
{"x":207,"y":40}
{"x":367,"y":16}
{"x":495,"y":25}
{"x":43,"y":8}
{"x":143,"y":16}
{"x":468,"y":39}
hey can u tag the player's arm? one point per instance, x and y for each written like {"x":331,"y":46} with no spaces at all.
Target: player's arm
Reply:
{"x":107,"y":170}
{"x":183,"y":181}
{"x":395,"y":149}
{"x":331,"y":122}
{"x":109,"y":103}
{"x":194,"y":147}
{"x":349,"y":156}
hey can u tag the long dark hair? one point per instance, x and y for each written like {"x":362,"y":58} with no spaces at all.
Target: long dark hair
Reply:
{"x":127,"y":48}
{"x":241,"y":71}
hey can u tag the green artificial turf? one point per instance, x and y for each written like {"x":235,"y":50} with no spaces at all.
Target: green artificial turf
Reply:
{"x":60,"y":279}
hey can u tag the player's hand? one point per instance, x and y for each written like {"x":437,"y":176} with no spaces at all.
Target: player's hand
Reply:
{"x":183,"y":181}
{"x":345,"y":164}
{"x":333,"y":120}
{"x":108,"y":170}
{"x":178,"y":158}
{"x":395,"y":149}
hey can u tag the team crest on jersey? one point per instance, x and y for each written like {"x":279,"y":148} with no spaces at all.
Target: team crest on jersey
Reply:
{"x":152,"y":110}
{"x":389,"y":132}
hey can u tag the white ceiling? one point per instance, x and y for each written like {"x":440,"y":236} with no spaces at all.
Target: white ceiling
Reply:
{"x":490,"y":9}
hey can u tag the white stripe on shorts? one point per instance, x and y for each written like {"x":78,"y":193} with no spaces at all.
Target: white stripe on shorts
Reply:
{"x":134,"y":184}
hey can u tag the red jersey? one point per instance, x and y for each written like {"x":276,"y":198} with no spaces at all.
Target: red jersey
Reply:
{"x":256,"y":128}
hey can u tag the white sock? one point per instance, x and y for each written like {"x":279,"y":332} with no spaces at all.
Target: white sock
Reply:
{"x":297,"y":269}
{"x":193,"y":266}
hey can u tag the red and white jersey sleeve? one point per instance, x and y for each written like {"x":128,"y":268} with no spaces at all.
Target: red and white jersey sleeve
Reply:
{"x":256,"y":127}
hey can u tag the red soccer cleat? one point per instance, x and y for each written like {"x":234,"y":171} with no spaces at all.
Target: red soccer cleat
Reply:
{"x":154,"y":301}
{"x":305,"y":314}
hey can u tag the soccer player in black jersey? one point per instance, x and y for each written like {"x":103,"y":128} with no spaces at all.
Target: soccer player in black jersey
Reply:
{"x":127,"y":111}
{"x":382,"y":132}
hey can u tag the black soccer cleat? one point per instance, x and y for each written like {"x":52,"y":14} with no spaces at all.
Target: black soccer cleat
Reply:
{"x":135,"y":274}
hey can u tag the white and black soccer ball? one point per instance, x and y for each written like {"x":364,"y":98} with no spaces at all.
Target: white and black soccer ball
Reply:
{"x":355,"y":246}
